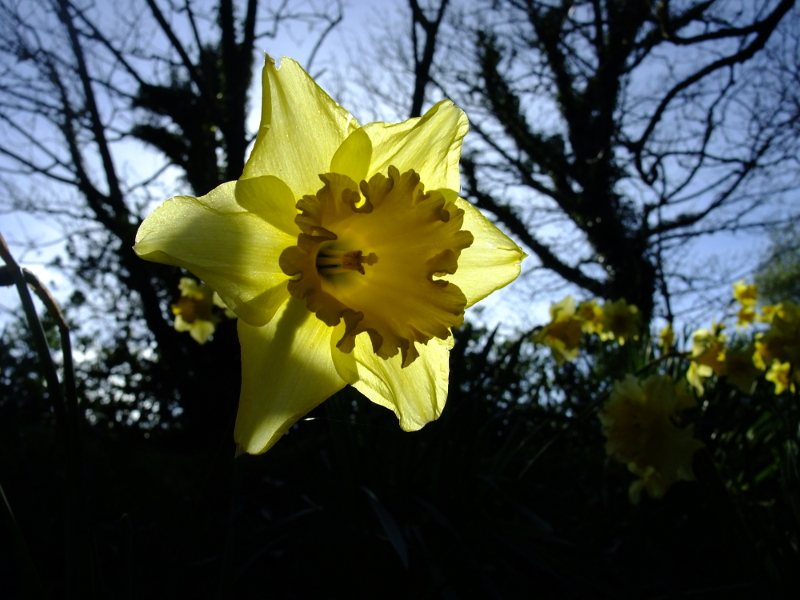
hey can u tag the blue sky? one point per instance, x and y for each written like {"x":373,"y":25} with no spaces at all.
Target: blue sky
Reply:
{"x":35,"y":242}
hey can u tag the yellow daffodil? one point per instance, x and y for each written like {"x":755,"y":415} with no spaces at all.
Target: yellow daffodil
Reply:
{"x":638,"y":422}
{"x":761,"y":356}
{"x":708,"y":356}
{"x":780,"y":373}
{"x":563,"y":333}
{"x":740,"y":369}
{"x":345,"y":252}
{"x":592,"y":316}
{"x":666,"y":338}
{"x":769,"y":311}
{"x":782,"y":340}
{"x":193,"y":310}
{"x":650,"y":481}
{"x":746,"y":294}
{"x":621,"y":321}
{"x":745,"y":317}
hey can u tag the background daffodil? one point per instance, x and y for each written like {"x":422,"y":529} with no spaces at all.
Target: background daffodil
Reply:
{"x":621,"y":321}
{"x":639,"y":424}
{"x":193,"y":310}
{"x":563,"y":332}
{"x":344,"y":251}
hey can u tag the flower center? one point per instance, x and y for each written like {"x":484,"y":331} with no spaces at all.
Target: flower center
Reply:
{"x":192,"y":309}
{"x":333,"y":262}
{"x":373,"y":254}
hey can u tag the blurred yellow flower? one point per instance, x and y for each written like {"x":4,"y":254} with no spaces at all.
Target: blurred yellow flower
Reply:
{"x":745,"y":294}
{"x":768,"y":312}
{"x":761,"y":356}
{"x":740,"y":369}
{"x":650,"y":481}
{"x":638,"y":422}
{"x":621,"y":321}
{"x":781,"y":375}
{"x":345,"y":252}
{"x":193,"y":310}
{"x":707,"y":357}
{"x":666,"y":338}
{"x":782,"y":340}
{"x":745,"y":317}
{"x":563,"y":333}
{"x":592,"y":316}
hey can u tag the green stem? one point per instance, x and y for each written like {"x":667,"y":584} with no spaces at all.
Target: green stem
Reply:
{"x":759,"y":566}
{"x":31,"y":582}
{"x":65,"y":406}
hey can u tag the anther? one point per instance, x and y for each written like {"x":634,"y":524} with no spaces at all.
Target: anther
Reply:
{"x":332,"y":262}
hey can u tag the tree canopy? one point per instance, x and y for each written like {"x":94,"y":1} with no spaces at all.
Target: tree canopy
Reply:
{"x":608,"y":136}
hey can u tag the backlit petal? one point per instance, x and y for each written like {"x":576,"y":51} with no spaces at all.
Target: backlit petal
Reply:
{"x":353,"y":157}
{"x":287,"y":370}
{"x":416,"y":393}
{"x":491,"y":262}
{"x":301,"y":128}
{"x":234,"y":251}
{"x":271,"y":199}
{"x":430,"y":145}
{"x":345,"y":362}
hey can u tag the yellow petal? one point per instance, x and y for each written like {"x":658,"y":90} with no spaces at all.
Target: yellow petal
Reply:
{"x":201,"y":331}
{"x":287,"y":370}
{"x":352,"y":158}
{"x":301,"y":128}
{"x":344,"y":362}
{"x":416,"y":393}
{"x":181,"y":325}
{"x":430,"y":145}
{"x":271,"y":199}
{"x":491,"y":262}
{"x":563,"y":309}
{"x":234,"y":251}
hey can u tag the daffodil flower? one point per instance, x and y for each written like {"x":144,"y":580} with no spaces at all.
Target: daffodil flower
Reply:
{"x":782,"y":340}
{"x":621,"y":321}
{"x":781,"y":375}
{"x":708,"y":356}
{"x":563,"y":332}
{"x":639,"y":424}
{"x":740,"y":369}
{"x":666,"y":337}
{"x":194,"y":310}
{"x":345,"y":252}
{"x":746,"y":294}
{"x":592,"y":316}
{"x":745,"y":317}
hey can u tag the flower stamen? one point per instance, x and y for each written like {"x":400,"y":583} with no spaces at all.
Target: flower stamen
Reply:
{"x":399,"y":302}
{"x":333,"y":262}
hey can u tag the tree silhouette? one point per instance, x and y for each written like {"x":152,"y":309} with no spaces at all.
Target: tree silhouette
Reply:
{"x":609,"y":134}
{"x":83,"y":87}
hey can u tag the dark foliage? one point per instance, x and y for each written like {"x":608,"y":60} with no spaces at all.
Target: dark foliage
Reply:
{"x":506,"y":495}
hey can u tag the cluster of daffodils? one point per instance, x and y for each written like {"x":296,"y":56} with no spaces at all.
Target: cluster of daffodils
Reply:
{"x":641,"y":419}
{"x":641,"y":424}
{"x":198,"y":310}
{"x":775,"y":351}
{"x":344,"y":251}
{"x":616,"y":321}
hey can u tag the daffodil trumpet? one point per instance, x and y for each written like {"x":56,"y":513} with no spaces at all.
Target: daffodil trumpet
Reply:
{"x":345,"y":252}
